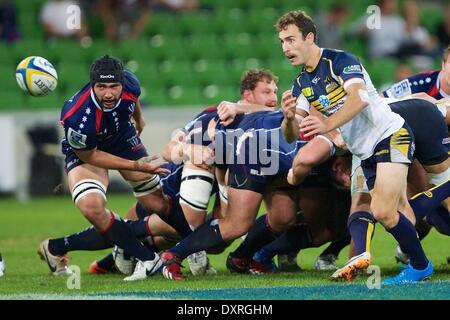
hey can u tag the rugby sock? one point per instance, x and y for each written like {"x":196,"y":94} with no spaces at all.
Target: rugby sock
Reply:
{"x":91,"y":240}
{"x":121,"y":234}
{"x":361,"y":225}
{"x":440,"y":219}
{"x":87,"y":240}
{"x":426,"y":201}
{"x":293,"y":240}
{"x":336,"y":247}
{"x":176,"y":219}
{"x":205,"y":237}
{"x":405,"y":234}
{"x":258,"y":236}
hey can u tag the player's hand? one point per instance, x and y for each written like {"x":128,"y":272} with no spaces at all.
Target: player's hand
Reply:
{"x":288,"y":105}
{"x":312,"y":125}
{"x":291,"y":179}
{"x":139,"y":124}
{"x":227,"y":112}
{"x":201,"y":156}
{"x":147,"y":165}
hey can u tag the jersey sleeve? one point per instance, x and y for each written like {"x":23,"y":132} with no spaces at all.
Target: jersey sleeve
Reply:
{"x":398,"y":90}
{"x":132,"y":83}
{"x":347,"y":67}
{"x":79,"y":131}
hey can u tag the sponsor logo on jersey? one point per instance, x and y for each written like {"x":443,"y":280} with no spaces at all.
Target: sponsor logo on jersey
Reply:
{"x":76,"y":140}
{"x":356,"y":68}
{"x":400,"y":89}
{"x":315,"y":80}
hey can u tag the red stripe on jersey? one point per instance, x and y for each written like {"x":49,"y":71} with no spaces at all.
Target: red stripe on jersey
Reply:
{"x":80,"y":101}
{"x":129,"y":96}
{"x":430,"y":72}
{"x":211,"y":109}
{"x":434,"y":91}
{"x":98,"y":119}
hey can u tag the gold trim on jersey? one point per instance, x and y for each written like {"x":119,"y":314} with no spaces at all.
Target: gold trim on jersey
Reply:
{"x":401,"y":140}
{"x":338,"y":92}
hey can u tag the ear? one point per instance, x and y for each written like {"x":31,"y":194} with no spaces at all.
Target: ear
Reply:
{"x":246,"y":94}
{"x":310,"y":37}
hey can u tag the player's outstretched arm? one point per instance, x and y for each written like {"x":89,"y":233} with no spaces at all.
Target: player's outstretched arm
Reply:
{"x":106,"y":160}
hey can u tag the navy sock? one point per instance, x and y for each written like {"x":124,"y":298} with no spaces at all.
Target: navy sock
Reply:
{"x":176,"y":219}
{"x":205,"y":237}
{"x":91,"y":240}
{"x":361,"y":225}
{"x":335,"y":247}
{"x":426,"y":201}
{"x":440,"y":219}
{"x":122,"y":236}
{"x":258,"y":236}
{"x":139,"y":228}
{"x":293,"y":240}
{"x":405,"y":234}
{"x":87,"y":240}
{"x":107,"y":262}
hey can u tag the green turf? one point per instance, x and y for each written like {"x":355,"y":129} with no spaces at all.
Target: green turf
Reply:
{"x":24,"y":225}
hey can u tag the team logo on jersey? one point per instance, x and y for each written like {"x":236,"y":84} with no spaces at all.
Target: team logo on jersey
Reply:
{"x":315,"y":80}
{"x":356,"y":68}
{"x":76,"y":139}
{"x":308,"y":92}
{"x":330,"y":85}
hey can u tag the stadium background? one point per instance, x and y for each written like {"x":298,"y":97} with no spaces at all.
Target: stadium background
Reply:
{"x":185,"y":61}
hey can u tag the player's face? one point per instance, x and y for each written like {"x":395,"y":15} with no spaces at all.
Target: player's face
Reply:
{"x":108,"y":93}
{"x":295,"y":47}
{"x":265,"y":94}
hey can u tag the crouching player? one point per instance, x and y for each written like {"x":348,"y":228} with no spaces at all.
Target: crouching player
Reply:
{"x":99,"y":136}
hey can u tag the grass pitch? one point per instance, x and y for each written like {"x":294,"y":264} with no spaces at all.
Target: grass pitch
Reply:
{"x":24,"y":225}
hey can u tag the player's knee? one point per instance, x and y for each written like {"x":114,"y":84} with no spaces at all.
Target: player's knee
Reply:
{"x":195,"y":189}
{"x":282,"y":223}
{"x":92,"y":207}
{"x":381,"y":213}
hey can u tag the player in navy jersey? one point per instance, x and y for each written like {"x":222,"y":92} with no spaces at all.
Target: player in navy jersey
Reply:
{"x":335,"y":83}
{"x":99,"y":136}
{"x":435,"y":84}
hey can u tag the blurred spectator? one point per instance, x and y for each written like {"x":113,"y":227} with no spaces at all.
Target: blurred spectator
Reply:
{"x":56,"y":19}
{"x":386,"y":39}
{"x":8,"y":21}
{"x":403,"y":71}
{"x":124,"y":18}
{"x":329,"y":26}
{"x":417,"y":39}
{"x":176,"y":5}
{"x":443,"y":30}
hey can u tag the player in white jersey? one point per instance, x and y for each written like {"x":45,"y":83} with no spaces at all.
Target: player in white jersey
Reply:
{"x":335,"y":84}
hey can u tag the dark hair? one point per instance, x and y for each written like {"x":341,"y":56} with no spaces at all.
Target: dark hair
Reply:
{"x":446,"y":53}
{"x":251,"y":78}
{"x":106,"y":69}
{"x":299,"y":18}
